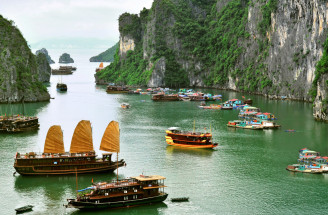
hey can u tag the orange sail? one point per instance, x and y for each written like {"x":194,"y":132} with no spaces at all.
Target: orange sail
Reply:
{"x":82,"y":138}
{"x":110,"y":141}
{"x":54,"y":141}
{"x":101,"y":65}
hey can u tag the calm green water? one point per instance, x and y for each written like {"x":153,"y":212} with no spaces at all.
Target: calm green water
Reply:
{"x":245,"y":175}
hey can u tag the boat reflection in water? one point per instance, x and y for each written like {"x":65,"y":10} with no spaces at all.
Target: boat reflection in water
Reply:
{"x":191,"y":151}
{"x":154,"y":209}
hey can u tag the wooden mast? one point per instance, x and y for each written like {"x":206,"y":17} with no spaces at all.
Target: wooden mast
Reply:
{"x":194,"y":127}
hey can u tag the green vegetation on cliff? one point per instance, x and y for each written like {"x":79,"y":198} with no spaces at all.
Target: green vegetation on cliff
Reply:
{"x":106,"y":56}
{"x":321,"y":68}
{"x":190,"y":32}
{"x":19,"y":75}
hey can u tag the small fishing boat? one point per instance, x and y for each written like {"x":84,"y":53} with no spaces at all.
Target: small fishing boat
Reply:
{"x":125,"y":105}
{"x":212,"y":106}
{"x":244,"y":124}
{"x":176,"y":137}
{"x":24,"y":209}
{"x":307,"y":169}
{"x":290,"y":130}
{"x":181,"y":199}
{"x":226,"y":106}
{"x":61,"y":87}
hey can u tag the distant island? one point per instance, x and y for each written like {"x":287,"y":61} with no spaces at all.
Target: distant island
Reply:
{"x":106,"y":56}
{"x":65,"y":58}
{"x":45,"y":52}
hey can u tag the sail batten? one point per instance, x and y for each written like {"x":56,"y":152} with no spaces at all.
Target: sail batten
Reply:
{"x":110,"y":141}
{"x":82,"y":138}
{"x":54,"y":141}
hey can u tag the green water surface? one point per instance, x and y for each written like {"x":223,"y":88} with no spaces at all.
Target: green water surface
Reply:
{"x":244,"y":175}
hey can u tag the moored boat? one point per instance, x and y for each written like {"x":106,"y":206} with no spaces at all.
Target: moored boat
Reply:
{"x":128,"y":192}
{"x":80,"y":159}
{"x":116,"y":89}
{"x":244,"y":124}
{"x":226,"y":106}
{"x":181,"y":199}
{"x":164,"y":97}
{"x":24,"y":209}
{"x":176,"y":137}
{"x":61,"y":87}
{"x":212,"y":106}
{"x":101,"y":67}
{"x":18,"y":123}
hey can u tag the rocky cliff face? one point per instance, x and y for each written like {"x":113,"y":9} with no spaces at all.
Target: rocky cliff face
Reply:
{"x":65,"y":58}
{"x":19,"y":74}
{"x":268,"y":47}
{"x":45,"y":52}
{"x":44,"y":70}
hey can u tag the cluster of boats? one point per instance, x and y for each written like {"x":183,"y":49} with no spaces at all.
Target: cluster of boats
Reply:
{"x":81,"y":158}
{"x":310,"y":162}
{"x":252,"y":118}
{"x":63,"y":70}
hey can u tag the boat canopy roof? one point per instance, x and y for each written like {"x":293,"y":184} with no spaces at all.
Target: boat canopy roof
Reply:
{"x":54,"y":141}
{"x":110,"y":141}
{"x":173,"y":128}
{"x":82,"y":138}
{"x":149,"y":178}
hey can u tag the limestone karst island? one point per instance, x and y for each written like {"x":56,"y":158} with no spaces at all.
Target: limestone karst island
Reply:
{"x":164,"y":107}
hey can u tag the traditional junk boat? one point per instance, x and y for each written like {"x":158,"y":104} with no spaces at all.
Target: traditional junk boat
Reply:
{"x":81,"y":158}
{"x":176,"y":137}
{"x":116,"y":89}
{"x":120,"y":193}
{"x":18,"y":123}
{"x":101,"y":66}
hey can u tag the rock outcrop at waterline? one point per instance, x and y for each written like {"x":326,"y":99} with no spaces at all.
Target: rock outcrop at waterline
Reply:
{"x":65,"y":58}
{"x":45,"y":52}
{"x":265,"y":47}
{"x":20,"y":70}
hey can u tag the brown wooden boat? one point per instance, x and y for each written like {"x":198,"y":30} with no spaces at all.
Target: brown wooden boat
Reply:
{"x":116,"y":89}
{"x":176,"y":137}
{"x":18,"y":123}
{"x":80,"y":159}
{"x":130,"y":192}
{"x":163,"y":97}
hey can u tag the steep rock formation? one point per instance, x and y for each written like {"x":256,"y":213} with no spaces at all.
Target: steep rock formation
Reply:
{"x":320,"y":110}
{"x":45,"y":52}
{"x":65,"y":58}
{"x":44,"y":70}
{"x":266,"y":47}
{"x":19,"y":74}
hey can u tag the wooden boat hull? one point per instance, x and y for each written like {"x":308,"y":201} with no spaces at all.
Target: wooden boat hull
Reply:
{"x":61,"y":72}
{"x":37,"y":170}
{"x":170,"y":141}
{"x":312,"y":171}
{"x":246,"y":127}
{"x":116,"y":91}
{"x":72,"y":203}
{"x":24,"y":209}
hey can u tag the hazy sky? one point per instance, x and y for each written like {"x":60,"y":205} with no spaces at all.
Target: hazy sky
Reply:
{"x":41,"y":20}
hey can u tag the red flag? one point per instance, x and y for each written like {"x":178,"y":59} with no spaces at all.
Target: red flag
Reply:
{"x":92,"y":180}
